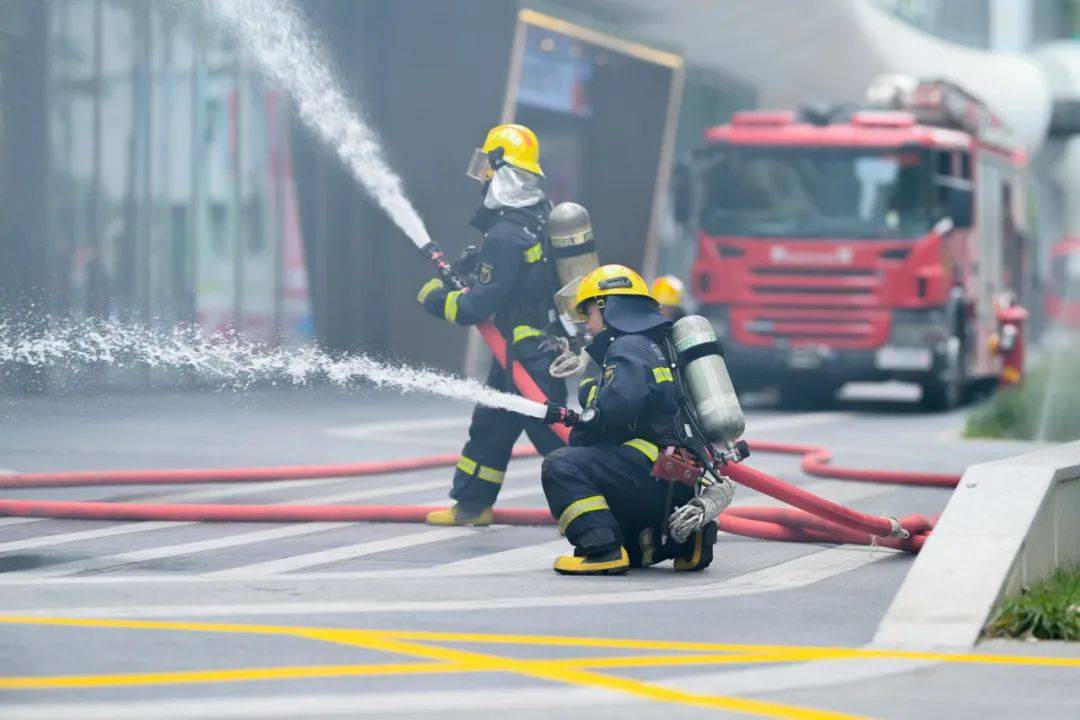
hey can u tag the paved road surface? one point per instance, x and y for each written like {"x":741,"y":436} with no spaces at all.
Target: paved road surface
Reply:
{"x":186,"y":620}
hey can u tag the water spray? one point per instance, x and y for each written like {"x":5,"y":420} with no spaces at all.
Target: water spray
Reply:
{"x":275,"y":37}
{"x":234,"y":362}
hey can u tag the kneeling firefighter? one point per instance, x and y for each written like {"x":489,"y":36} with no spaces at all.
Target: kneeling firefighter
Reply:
{"x":604,"y":488}
{"x":508,"y":278}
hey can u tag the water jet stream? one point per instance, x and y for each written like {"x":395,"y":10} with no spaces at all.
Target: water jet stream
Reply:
{"x":234,"y":362}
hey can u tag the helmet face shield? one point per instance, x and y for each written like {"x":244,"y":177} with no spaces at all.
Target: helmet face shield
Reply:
{"x":479,"y":168}
{"x":566,"y":301}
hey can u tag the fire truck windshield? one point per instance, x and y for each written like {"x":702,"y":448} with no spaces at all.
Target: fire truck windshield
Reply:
{"x":781,"y":191}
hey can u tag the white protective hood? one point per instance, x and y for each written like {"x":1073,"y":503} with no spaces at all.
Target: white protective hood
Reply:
{"x":511,"y":187}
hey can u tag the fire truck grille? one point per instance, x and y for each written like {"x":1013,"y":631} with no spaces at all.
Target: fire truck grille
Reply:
{"x":854,"y":328}
{"x":796,"y":290}
{"x":843,"y":288}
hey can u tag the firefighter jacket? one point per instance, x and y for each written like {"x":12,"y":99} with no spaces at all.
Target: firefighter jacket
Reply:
{"x":512,"y":282}
{"x":635,"y":395}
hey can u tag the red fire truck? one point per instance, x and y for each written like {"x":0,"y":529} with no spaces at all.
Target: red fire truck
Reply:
{"x":858,"y":245}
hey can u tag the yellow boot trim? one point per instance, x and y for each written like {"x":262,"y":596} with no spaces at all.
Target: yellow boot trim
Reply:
{"x":449,"y":516}
{"x":573,"y":565}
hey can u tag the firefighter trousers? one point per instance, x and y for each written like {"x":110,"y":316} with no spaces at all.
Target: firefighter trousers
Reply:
{"x":493,"y":432}
{"x":604,"y":496}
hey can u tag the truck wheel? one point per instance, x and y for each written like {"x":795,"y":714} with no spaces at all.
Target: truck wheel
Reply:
{"x":945,"y":390}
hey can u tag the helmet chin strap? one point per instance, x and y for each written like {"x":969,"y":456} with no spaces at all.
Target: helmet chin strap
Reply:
{"x":495,"y":158}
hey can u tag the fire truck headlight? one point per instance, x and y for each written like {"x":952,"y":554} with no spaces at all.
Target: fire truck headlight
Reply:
{"x":919,"y":328}
{"x":915,"y":337}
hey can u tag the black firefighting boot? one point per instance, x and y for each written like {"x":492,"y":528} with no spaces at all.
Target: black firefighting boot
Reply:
{"x":699,"y":549}
{"x":461,"y":516}
{"x":612,"y":562}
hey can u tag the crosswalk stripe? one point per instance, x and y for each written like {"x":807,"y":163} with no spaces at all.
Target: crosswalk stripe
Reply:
{"x":537,"y":556}
{"x":346,"y":552}
{"x":129,"y":528}
{"x":522,"y":559}
{"x":271,"y":567}
{"x":219,"y":491}
{"x":83,"y":535}
{"x":798,"y":572}
{"x":324,"y":706}
{"x":108,"y":562}
{"x":17,"y":520}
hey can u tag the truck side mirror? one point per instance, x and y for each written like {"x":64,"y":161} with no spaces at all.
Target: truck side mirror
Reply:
{"x":682,"y":192}
{"x":960,"y":202}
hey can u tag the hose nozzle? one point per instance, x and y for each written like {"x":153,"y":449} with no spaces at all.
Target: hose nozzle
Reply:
{"x":446,"y":271}
{"x":558,"y":414}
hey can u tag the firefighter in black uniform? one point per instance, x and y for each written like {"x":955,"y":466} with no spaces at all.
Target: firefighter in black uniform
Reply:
{"x":601,"y":488}
{"x":512,"y":284}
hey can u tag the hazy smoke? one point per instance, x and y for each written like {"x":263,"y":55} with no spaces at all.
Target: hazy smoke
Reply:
{"x":274,"y":36}
{"x":233,"y":361}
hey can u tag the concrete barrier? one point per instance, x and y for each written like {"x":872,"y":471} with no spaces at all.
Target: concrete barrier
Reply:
{"x":1008,"y":524}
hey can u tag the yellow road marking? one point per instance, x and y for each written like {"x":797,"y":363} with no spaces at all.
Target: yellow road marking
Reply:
{"x":296,"y":672}
{"x":682,"y":660}
{"x":795,"y":652}
{"x":180,"y":677}
{"x":572,"y":671}
{"x":659,"y":693}
{"x":546,"y":670}
{"x":150,"y":625}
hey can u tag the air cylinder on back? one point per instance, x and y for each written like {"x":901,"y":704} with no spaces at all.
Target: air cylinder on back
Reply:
{"x":572,"y":243}
{"x":701,"y":362}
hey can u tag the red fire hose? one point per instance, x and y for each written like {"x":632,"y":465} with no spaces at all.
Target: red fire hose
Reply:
{"x":524,"y":382}
{"x":822,"y":521}
{"x":818,"y":520}
{"x":815,"y":520}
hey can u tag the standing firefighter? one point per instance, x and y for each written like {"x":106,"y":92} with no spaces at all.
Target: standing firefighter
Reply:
{"x":601,"y":488}
{"x":669,"y":291}
{"x":511,"y":282}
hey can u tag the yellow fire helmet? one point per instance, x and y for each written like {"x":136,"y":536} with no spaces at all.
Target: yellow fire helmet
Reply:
{"x":515,"y":145}
{"x":668,"y":290}
{"x":608,"y":280}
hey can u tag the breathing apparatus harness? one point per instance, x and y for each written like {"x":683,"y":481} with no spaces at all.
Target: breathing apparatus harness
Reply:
{"x":687,"y":425}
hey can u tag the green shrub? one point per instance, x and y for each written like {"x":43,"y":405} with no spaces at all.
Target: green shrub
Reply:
{"x":1045,"y":407}
{"x":1049,"y":610}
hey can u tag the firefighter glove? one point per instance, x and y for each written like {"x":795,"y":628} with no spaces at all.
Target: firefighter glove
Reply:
{"x":468,"y":265}
{"x":568,"y":364}
{"x":703,"y":509}
{"x":558,"y":414}
{"x":432,"y":285}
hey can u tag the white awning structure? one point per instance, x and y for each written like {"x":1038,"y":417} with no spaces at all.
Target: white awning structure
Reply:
{"x":796,"y":52}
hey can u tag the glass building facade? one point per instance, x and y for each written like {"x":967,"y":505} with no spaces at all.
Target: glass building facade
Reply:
{"x":1003,"y":25}
{"x":171,"y":196}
